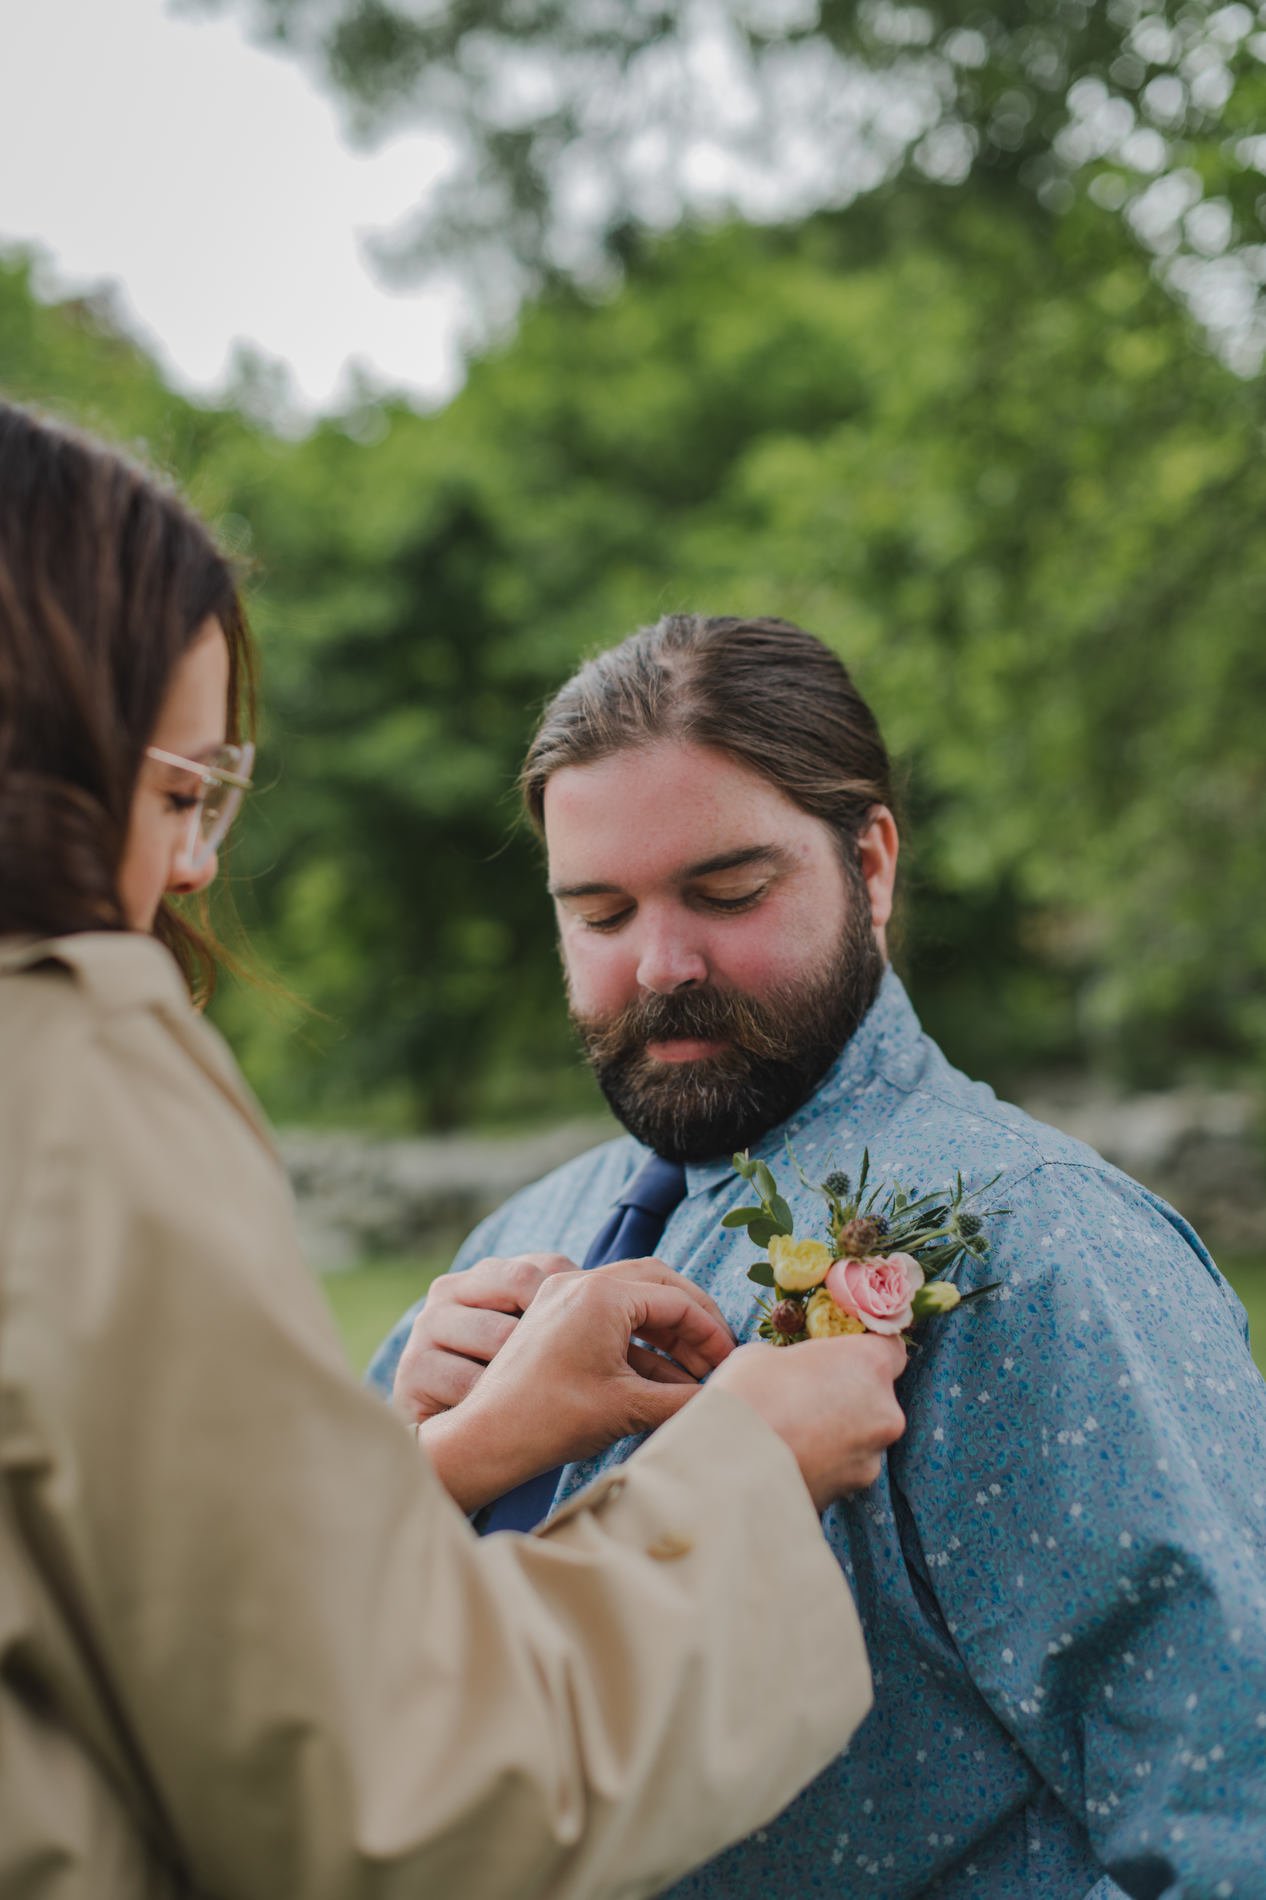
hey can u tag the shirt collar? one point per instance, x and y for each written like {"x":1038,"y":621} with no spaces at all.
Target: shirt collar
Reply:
{"x":886,"y":1041}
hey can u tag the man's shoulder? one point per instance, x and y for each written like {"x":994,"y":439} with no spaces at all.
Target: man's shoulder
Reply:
{"x":1062,"y":1198}
{"x":894,"y":1091}
{"x":940,"y":1121}
{"x":1076,"y":1246}
{"x":1046,"y":1179}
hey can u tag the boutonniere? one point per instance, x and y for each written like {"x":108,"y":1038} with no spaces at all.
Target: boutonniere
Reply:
{"x":884,"y":1263}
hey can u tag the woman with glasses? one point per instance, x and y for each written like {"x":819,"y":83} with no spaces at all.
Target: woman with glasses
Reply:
{"x":249,"y":1644}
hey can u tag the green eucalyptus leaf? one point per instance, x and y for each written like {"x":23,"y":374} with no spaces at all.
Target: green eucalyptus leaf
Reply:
{"x":780,"y":1212}
{"x":742,"y":1216}
{"x":762,"y":1231}
{"x":766,"y":1186}
{"x":761,"y":1272}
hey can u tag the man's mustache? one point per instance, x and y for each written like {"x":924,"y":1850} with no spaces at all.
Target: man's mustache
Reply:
{"x":705,"y":1015}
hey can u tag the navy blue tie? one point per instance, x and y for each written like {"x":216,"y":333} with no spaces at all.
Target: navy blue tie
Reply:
{"x":631,"y":1233}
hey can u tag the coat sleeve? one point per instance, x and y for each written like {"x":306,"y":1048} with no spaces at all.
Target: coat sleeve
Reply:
{"x":323,"y":1684}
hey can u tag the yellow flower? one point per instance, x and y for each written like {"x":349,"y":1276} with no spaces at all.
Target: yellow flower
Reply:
{"x":823,"y":1319}
{"x":798,"y":1264}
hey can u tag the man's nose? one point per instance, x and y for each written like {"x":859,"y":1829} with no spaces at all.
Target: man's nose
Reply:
{"x":670,"y":958}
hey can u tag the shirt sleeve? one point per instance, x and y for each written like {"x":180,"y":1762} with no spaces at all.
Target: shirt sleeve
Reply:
{"x":1086,"y":1473}
{"x":319,"y":1681}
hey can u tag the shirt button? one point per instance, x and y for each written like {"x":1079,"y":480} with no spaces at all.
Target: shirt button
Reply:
{"x":670,"y":1545}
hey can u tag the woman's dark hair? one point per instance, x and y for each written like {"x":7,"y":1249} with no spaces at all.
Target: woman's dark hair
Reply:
{"x":106,"y":579}
{"x":764,"y":691}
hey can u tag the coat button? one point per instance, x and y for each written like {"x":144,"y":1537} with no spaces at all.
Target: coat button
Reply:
{"x":670,"y":1545}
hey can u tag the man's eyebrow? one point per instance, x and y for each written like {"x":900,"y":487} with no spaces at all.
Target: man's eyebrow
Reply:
{"x":771,"y":855}
{"x":563,"y":891}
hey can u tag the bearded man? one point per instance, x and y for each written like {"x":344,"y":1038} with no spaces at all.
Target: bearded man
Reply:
{"x":1060,"y":1570}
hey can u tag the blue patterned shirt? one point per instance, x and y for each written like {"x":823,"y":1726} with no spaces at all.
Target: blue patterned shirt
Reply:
{"x":1060,"y":1572}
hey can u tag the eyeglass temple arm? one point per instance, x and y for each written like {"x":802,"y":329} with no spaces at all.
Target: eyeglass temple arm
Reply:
{"x":214,"y":774}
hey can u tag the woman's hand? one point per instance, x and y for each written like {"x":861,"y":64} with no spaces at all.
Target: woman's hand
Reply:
{"x":830,"y":1400}
{"x":569,"y":1378}
{"x":465,"y":1322}
{"x":468,"y":1318}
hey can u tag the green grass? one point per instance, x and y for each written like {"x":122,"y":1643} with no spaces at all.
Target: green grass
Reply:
{"x":1248,"y":1277}
{"x":368,"y":1300}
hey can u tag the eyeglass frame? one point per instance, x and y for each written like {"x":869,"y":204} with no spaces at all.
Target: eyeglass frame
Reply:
{"x":198,"y":847}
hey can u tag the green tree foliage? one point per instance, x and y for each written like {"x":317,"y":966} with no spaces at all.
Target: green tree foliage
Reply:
{"x":977,"y":450}
{"x":569,"y":123}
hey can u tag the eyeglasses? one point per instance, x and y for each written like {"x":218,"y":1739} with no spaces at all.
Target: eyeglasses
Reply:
{"x":225,"y":778}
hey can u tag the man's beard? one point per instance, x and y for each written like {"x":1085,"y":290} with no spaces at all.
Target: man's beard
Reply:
{"x":779,"y":1046}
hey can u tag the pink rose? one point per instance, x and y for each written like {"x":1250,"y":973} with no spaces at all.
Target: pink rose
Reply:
{"x":877,"y":1291}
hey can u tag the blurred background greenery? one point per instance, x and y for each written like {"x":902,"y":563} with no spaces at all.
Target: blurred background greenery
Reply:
{"x":986,"y":412}
{"x":977,"y":449}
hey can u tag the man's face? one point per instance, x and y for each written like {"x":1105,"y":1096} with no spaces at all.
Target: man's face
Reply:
{"x":718,"y":954}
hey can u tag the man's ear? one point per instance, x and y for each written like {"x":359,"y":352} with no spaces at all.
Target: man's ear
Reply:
{"x":877,"y":848}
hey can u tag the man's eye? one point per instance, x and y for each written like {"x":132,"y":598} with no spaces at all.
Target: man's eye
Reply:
{"x":746,"y":902}
{"x":181,"y":801}
{"x":609,"y":923}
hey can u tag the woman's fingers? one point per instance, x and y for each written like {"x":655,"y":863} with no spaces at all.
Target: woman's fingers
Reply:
{"x":475,"y":1332}
{"x":467,"y":1319}
{"x":508,"y":1285}
{"x":666,"y":1316}
{"x":656,"y":1404}
{"x":889,"y":1353}
{"x":674,"y":1332}
{"x":655,"y":1270}
{"x":443,"y":1381}
{"x":655,"y":1367}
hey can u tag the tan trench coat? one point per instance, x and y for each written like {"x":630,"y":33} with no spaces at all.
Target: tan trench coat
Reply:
{"x":248,"y":1645}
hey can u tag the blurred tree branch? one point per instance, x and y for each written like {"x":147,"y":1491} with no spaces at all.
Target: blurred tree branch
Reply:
{"x":570,"y":122}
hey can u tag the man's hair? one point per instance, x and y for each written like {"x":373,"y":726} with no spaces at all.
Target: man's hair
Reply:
{"x":772,"y":696}
{"x":106,"y":580}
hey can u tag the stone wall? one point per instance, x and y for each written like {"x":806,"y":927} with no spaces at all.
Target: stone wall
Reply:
{"x":1203,"y":1149}
{"x":359,"y":1197}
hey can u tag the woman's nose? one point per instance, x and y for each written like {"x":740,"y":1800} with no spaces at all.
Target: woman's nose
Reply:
{"x":188,"y":878}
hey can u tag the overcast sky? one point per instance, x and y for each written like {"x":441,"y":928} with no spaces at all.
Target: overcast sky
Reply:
{"x":210,"y":181}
